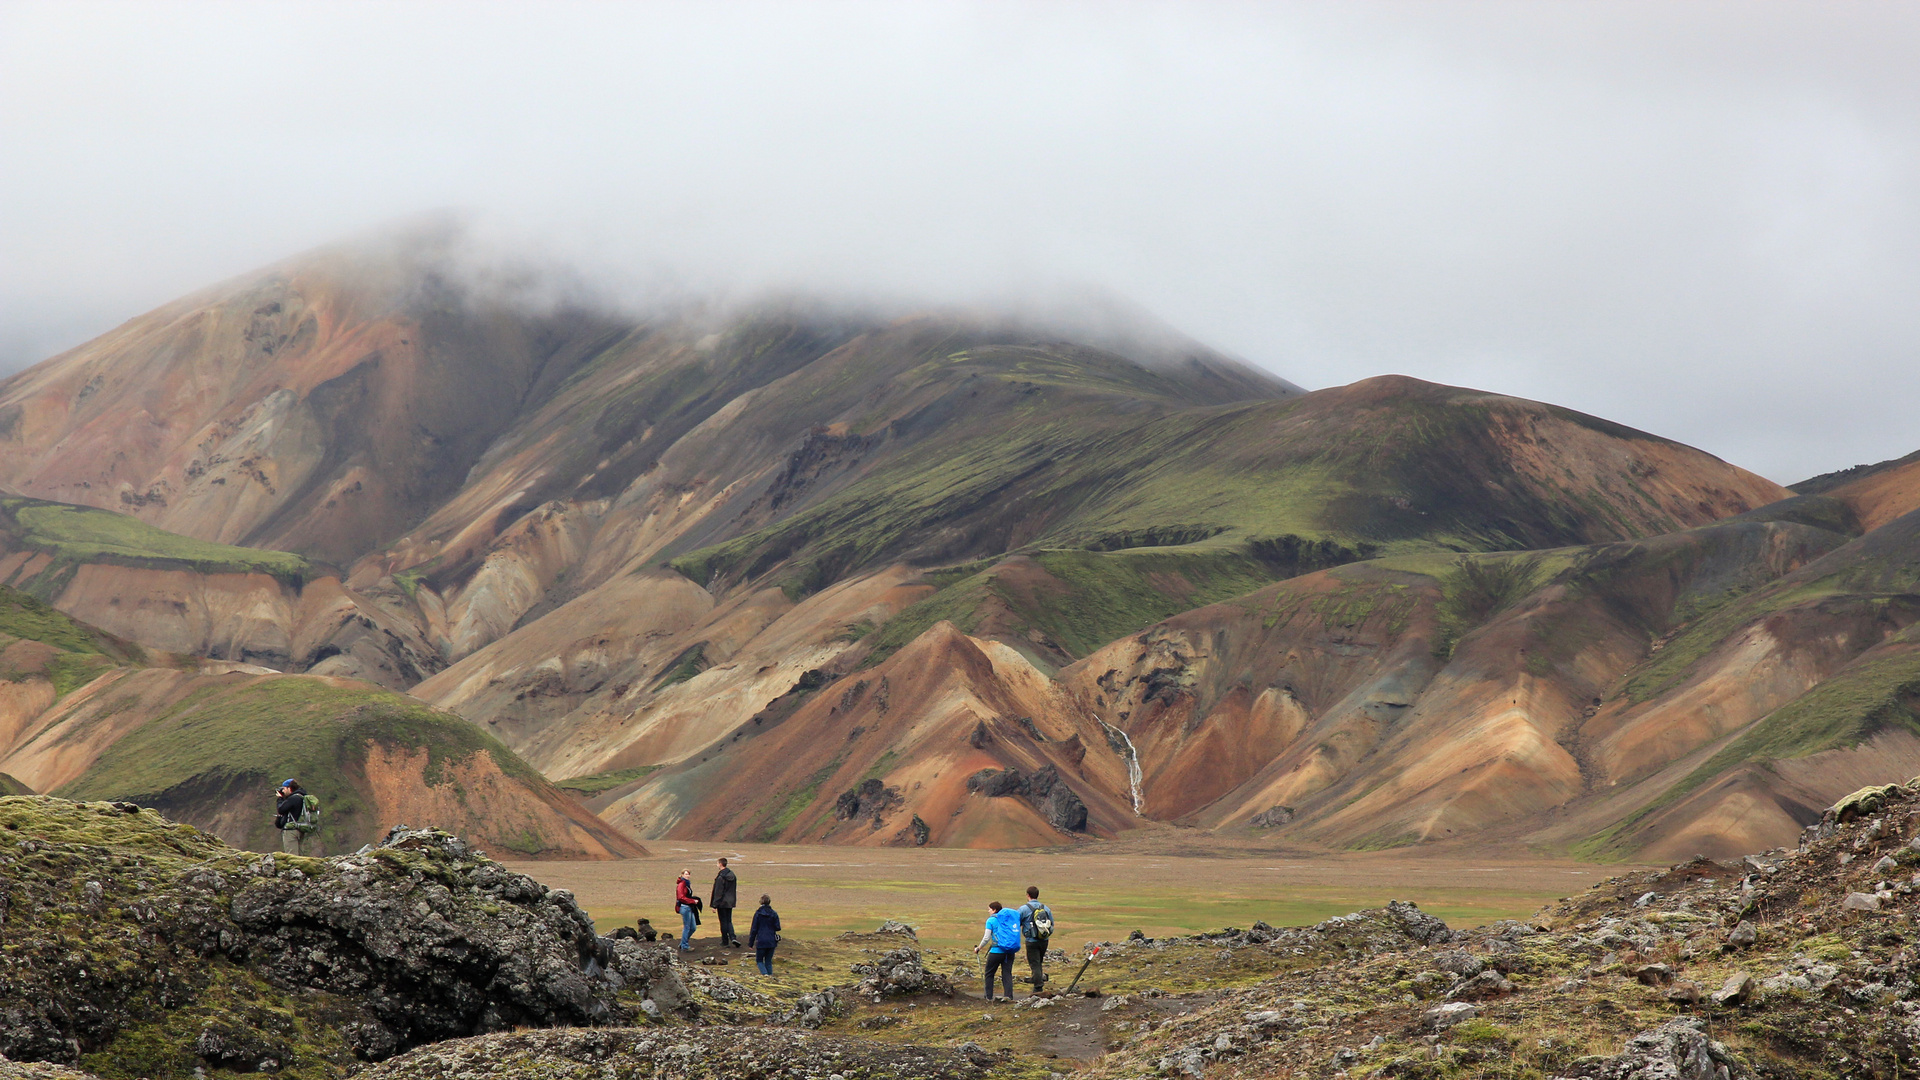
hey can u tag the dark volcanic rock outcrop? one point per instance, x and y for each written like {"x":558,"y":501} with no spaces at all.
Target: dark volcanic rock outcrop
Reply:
{"x":124,"y":930}
{"x":685,"y":1054}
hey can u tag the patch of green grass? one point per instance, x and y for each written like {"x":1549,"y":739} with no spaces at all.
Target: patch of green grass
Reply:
{"x":1476,"y":589}
{"x":79,"y":534}
{"x":71,"y":671}
{"x":589,"y":786}
{"x":691,"y":661}
{"x":25,"y":616}
{"x":225,"y":741}
{"x":796,"y":803}
{"x":853,"y":632}
{"x":1087,"y":598}
{"x":958,"y":604}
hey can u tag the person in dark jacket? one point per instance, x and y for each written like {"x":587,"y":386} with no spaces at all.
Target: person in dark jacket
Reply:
{"x":1030,"y":933}
{"x":288,"y":805}
{"x":725,"y":893}
{"x":763,"y":934}
{"x":688,"y":905}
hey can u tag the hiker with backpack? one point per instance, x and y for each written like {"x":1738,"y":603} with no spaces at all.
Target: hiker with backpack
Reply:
{"x":295,"y":814}
{"x":1036,"y":926}
{"x":688,"y":905}
{"x":1003,"y":937}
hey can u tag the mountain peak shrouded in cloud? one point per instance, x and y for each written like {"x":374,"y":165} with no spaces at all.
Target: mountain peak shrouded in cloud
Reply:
{"x":1694,"y":219}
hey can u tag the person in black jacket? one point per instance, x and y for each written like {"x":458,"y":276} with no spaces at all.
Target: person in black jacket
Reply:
{"x":725,"y":895}
{"x":287,"y":807}
{"x":764,"y":934}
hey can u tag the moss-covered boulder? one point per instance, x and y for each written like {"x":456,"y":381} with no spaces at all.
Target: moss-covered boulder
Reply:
{"x":134,"y":946}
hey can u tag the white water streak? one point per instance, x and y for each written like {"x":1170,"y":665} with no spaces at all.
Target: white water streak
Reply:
{"x":1133,"y":768}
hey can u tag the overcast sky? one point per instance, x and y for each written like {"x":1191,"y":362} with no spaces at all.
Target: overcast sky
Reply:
{"x":1699,"y":220}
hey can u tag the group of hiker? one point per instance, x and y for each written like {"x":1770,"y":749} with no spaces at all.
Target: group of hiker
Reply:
{"x":763,"y":934}
{"x":1008,"y":930}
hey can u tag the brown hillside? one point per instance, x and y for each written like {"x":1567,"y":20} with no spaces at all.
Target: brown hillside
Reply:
{"x":885,"y":757}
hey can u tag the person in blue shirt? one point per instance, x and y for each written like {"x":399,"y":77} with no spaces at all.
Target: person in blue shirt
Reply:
{"x":1002,"y":942}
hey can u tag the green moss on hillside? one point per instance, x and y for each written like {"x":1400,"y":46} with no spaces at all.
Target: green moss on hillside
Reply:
{"x":1475,"y":590}
{"x":1084,"y":599}
{"x":32,"y":619}
{"x":221,"y":744}
{"x":11,"y":786}
{"x":588,"y":786}
{"x":98,"y":825}
{"x":1846,"y":710}
{"x":82,"y":653}
{"x":74,"y":535}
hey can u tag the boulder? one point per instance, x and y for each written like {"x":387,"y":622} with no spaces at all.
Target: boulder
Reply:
{"x":1739,"y":989}
{"x":1271,"y":818}
{"x":1487,"y":984}
{"x":1676,"y":1050}
{"x":1654,"y":975}
{"x":1459,"y":962}
{"x":1416,"y":924}
{"x":1744,"y":934}
{"x":1442,"y":1017}
{"x":900,"y":971}
{"x":1860,"y":901}
{"x":1686,"y":992}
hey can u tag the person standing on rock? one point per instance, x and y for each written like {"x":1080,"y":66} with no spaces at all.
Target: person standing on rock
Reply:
{"x":288,"y":805}
{"x":725,"y":893}
{"x":688,"y":905}
{"x":763,"y":934}
{"x":1036,"y":926}
{"x":1002,"y":941}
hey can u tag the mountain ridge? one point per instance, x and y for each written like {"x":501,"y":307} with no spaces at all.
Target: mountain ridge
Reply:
{"x":677,"y":543}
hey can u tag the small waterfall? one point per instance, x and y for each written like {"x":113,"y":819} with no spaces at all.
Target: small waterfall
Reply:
{"x":1133,"y":761}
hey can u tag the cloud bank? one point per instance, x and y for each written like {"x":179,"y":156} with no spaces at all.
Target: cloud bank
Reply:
{"x":1702,"y":220}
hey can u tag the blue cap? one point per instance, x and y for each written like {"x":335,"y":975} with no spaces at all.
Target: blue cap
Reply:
{"x":287,"y":782}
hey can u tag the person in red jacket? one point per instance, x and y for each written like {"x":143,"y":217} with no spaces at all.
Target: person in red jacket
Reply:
{"x":688,"y":905}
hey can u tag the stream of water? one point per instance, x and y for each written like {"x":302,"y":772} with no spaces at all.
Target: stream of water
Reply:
{"x":1133,"y":768}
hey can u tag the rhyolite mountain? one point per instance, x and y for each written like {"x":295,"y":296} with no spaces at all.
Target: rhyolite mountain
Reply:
{"x":84,"y":714}
{"x":801,"y":573}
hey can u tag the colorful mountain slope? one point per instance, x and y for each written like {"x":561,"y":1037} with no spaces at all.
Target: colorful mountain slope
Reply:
{"x":80,"y":712}
{"x":616,"y":541}
{"x":178,"y":594}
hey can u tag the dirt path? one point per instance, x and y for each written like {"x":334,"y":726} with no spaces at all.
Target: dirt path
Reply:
{"x":1096,"y":895}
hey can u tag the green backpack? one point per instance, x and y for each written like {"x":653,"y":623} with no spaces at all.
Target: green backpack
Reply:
{"x":309,"y":815}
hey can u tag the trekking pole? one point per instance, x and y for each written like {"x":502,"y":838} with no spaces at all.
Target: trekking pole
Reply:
{"x":1082,"y":971}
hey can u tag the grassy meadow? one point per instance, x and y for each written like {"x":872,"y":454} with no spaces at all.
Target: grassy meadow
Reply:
{"x":1096,"y":896}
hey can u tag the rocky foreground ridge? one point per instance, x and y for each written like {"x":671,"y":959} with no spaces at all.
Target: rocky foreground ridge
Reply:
{"x":137,"y":947}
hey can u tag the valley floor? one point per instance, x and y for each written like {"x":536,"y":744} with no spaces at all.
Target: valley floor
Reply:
{"x":1098,"y":892}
